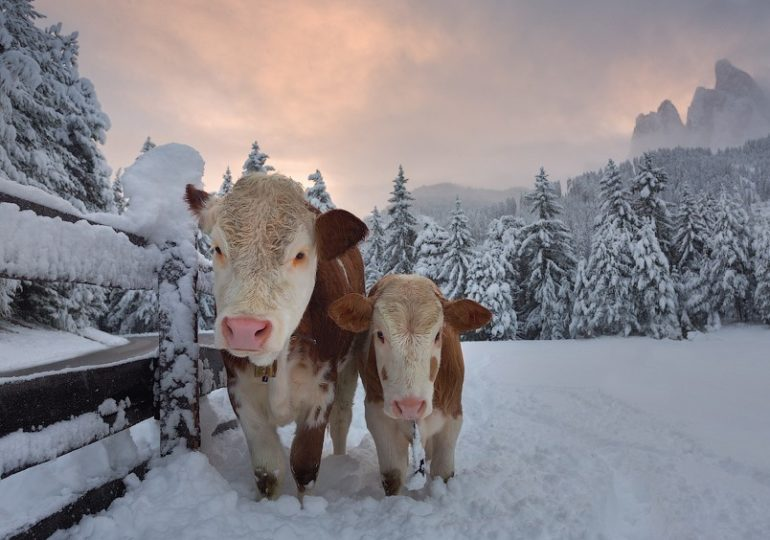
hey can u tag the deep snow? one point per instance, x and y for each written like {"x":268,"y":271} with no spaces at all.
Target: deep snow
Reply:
{"x":605,"y":438}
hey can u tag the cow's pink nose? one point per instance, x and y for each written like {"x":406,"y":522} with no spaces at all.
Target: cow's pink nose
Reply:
{"x":245,"y":333}
{"x":410,"y":408}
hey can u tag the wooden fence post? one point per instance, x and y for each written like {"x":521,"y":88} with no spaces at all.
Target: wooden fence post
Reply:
{"x":178,"y":409}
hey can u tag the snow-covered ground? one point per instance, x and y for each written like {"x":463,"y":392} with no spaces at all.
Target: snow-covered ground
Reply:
{"x":22,"y":346}
{"x":607,"y":438}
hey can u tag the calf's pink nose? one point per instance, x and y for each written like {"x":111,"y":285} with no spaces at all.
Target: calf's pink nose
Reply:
{"x":245,"y":333}
{"x":410,"y":408}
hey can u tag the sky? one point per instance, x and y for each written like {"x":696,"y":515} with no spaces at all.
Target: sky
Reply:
{"x":480,"y":93}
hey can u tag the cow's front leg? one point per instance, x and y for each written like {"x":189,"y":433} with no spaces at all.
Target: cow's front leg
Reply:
{"x":442,"y":446}
{"x":342,"y":409}
{"x":307,"y":447}
{"x":392,"y":447}
{"x":249,"y":398}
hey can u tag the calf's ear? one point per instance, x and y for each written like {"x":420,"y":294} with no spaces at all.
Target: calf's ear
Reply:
{"x":199,"y":203}
{"x":337,"y":231}
{"x":466,"y":315}
{"x":352,"y":312}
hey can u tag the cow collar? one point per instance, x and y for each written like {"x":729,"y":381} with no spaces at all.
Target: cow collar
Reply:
{"x":268,"y":372}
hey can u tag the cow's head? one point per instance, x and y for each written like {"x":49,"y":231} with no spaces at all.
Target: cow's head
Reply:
{"x":266,"y":243}
{"x":408,"y":322}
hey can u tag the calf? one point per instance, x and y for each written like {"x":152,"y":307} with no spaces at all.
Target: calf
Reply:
{"x":278,"y":265}
{"x":411,"y":365}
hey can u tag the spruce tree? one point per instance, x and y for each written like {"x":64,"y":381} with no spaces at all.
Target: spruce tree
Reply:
{"x":487,"y":285}
{"x":457,"y":256}
{"x":656,"y":304}
{"x":428,"y":247}
{"x":509,"y":232}
{"x":648,"y":186}
{"x":227,"y":183}
{"x":604,"y":297}
{"x":207,"y":312}
{"x":317,"y":194}
{"x":762,"y":270}
{"x":255,"y":162}
{"x":373,"y":249}
{"x":550,"y":262}
{"x":118,"y":196}
{"x":401,"y":231}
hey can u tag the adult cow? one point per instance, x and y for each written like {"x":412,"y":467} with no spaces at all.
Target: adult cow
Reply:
{"x":278,"y":265}
{"x":411,"y":365}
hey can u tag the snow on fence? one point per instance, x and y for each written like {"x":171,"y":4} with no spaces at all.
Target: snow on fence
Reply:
{"x":47,"y":415}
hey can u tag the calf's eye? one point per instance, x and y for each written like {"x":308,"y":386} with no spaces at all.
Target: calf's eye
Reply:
{"x":217,"y":250}
{"x":381,"y":337}
{"x":299,"y":256}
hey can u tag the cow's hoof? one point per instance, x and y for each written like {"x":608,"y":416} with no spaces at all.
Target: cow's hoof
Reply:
{"x":391,"y":482}
{"x":267,"y":483}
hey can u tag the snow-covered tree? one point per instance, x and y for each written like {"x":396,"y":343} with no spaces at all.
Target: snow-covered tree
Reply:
{"x":428,"y":246}
{"x":133,"y":312}
{"x":648,"y":186}
{"x":401,"y":231}
{"x":487,"y":285}
{"x":691,"y":232}
{"x":762,"y":270}
{"x":317,"y":194}
{"x":8,"y":288}
{"x":147,"y":146}
{"x":547,"y":253}
{"x":255,"y":162}
{"x":604,"y":295}
{"x":509,"y":232}
{"x":457,"y":254}
{"x":118,"y":196}
{"x":207,"y":312}
{"x":373,"y":249}
{"x":227,"y":183}
{"x":727,"y":272}
{"x":656,"y":304}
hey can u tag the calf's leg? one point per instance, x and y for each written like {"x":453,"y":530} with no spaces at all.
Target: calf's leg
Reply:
{"x":306,"y":448}
{"x":342,"y":409}
{"x":392,"y":447}
{"x":442,"y":446}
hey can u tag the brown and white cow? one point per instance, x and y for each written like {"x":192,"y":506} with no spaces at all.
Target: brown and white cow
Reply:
{"x":411,"y":365}
{"x":278,"y":265}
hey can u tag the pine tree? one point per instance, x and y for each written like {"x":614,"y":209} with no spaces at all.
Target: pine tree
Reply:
{"x":761,"y":270}
{"x":428,"y":248}
{"x":691,"y":233}
{"x":509,"y":232}
{"x":648,"y":186}
{"x":373,"y":249}
{"x":487,"y":285}
{"x":547,"y":252}
{"x":401,"y":230}
{"x":227,"y":183}
{"x":255,"y":162}
{"x":457,"y":256}
{"x":147,"y":146}
{"x":317,"y":194}
{"x":133,"y":312}
{"x":118,"y":196}
{"x":207,"y":312}
{"x":727,"y":272}
{"x":604,"y":296}
{"x":656,"y":304}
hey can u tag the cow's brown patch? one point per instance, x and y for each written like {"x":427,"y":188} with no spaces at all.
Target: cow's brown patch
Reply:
{"x":433,"y":368}
{"x":369,"y":378}
{"x":305,"y":457}
{"x":448,"y":387}
{"x":384,"y":374}
{"x":391,"y":482}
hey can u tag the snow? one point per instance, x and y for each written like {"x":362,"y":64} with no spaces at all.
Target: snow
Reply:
{"x":611,"y":437}
{"x":22,"y":347}
{"x":155,"y":185}
{"x":37,"y":195}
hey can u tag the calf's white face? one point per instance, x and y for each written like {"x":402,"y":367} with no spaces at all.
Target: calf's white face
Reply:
{"x":406,"y":317}
{"x":266,"y":243}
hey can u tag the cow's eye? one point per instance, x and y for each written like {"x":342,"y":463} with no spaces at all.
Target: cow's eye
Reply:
{"x":438,"y":336}
{"x":217,"y":250}
{"x":381,"y":337}
{"x":299,"y":256}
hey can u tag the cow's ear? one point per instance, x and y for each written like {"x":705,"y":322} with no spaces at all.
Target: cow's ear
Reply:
{"x":352,"y":312}
{"x":201,"y":204}
{"x":337,"y":231}
{"x":466,"y":315}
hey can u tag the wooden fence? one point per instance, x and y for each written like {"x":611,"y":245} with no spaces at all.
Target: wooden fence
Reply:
{"x":167,"y":385}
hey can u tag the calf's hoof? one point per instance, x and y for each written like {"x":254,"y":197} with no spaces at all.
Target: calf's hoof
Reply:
{"x":391,"y":482}
{"x":267,"y":483}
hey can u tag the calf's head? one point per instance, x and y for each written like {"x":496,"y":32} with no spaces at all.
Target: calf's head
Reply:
{"x":408,"y":322}
{"x":266,"y":243}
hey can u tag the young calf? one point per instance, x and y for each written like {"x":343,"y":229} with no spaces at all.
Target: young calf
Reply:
{"x":411,"y":364}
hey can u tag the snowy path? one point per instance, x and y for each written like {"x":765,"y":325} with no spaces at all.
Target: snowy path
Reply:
{"x":607,"y":438}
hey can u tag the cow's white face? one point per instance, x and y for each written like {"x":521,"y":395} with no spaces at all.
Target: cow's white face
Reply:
{"x":406,"y":317}
{"x":266,"y":243}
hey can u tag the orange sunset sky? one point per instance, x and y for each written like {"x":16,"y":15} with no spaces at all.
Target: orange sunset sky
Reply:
{"x":478,"y":93}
